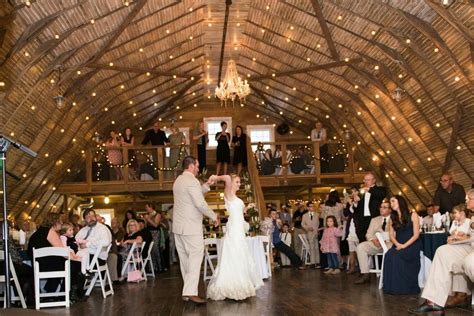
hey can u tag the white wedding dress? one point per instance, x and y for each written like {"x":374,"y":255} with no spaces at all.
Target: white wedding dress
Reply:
{"x":236,"y":275}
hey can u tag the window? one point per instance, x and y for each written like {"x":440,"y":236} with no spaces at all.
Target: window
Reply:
{"x":107,"y":214}
{"x":184,"y":130}
{"x":261,"y":133}
{"x":213,"y":126}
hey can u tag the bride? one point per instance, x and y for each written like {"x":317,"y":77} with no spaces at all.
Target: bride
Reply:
{"x":236,"y":276}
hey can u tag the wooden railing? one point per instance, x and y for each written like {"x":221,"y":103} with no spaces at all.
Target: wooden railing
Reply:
{"x":255,"y":179}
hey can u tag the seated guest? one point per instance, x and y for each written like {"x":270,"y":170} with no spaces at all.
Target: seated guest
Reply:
{"x":68,"y":240}
{"x":74,"y":219}
{"x":452,"y":265}
{"x":128,"y":216}
{"x":448,"y":194}
{"x":372,"y":245}
{"x":47,"y":236}
{"x":146,"y":235}
{"x":113,"y":262}
{"x":460,"y":229}
{"x":402,"y":261}
{"x":285,"y":214}
{"x":133,"y":236}
{"x":280,"y":245}
{"x":96,"y":235}
{"x":428,"y":220}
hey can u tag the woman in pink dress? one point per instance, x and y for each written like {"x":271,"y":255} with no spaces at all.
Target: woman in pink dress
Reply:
{"x":114,"y":153}
{"x":329,"y":244}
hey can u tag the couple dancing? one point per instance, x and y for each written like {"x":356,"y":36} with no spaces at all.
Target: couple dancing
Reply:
{"x":236,"y":276}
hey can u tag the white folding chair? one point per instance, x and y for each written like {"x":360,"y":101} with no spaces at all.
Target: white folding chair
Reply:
{"x":44,"y":275}
{"x":148,"y":261}
{"x":133,"y":260}
{"x":267,"y":247}
{"x":305,"y":254}
{"x":100,"y":273}
{"x":378,"y":270}
{"x":208,"y":243}
{"x":13,"y":278}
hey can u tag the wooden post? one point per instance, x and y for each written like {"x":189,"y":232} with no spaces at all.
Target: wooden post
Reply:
{"x":284,"y":162}
{"x":317,"y":162}
{"x":89,"y":169}
{"x":350,"y":152}
{"x":159,"y":163}
{"x":65,"y":203}
{"x":125,"y":173}
{"x":134,"y":201}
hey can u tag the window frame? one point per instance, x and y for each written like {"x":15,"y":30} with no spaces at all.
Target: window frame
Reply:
{"x":212,"y":143}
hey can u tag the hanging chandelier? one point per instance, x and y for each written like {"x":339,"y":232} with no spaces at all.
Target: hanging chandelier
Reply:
{"x":232,"y":87}
{"x":397,"y":94}
{"x":59,"y":98}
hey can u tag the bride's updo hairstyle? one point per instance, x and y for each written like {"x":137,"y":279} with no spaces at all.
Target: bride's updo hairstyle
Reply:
{"x":233,"y":176}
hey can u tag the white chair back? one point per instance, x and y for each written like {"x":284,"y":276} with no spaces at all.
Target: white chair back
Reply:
{"x":267,"y":247}
{"x":100,"y":273}
{"x":208,"y":258}
{"x":305,"y":252}
{"x":148,"y":262}
{"x":42,"y":275}
{"x":133,"y":260}
{"x":381,"y":237}
{"x":16,"y":284}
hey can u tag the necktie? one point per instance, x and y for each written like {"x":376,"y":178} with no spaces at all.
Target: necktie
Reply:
{"x":311,"y":216}
{"x":88,"y":232}
{"x":319,"y":135}
{"x":384,"y":224}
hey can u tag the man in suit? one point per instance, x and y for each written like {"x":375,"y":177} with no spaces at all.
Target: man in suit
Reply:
{"x":310,"y":223}
{"x":372,"y":246}
{"x":189,"y":209}
{"x":367,"y":206}
{"x":155,"y":136}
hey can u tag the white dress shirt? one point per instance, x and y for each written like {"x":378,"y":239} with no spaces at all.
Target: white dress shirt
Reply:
{"x":99,"y":236}
{"x":366,"y":204}
{"x":318,"y":136}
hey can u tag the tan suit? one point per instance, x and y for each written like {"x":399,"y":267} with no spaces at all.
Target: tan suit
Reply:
{"x":311,"y":225}
{"x":449,"y":272}
{"x":188,"y":210}
{"x":367,"y":248}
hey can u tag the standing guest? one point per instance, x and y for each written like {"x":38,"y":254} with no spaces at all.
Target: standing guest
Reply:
{"x":285,"y":214}
{"x":130,"y":214}
{"x":239,"y":143}
{"x":201,"y":136}
{"x":461,"y":224}
{"x":96,"y":235}
{"x":165,"y":240}
{"x":350,"y":230}
{"x":372,"y":245}
{"x":152,"y":219}
{"x":223,"y":150}
{"x":367,"y":206}
{"x":173,"y":254}
{"x":333,"y":206}
{"x":298,"y":229}
{"x":155,"y":136}
{"x":114,"y":153}
{"x":47,"y":235}
{"x":329,"y":244}
{"x":310,"y":223}
{"x":448,"y":194}
{"x":402,"y":261}
{"x":452,"y":267}
{"x":279,"y":244}
{"x":113,"y":261}
{"x":177,"y":152}
{"x":285,"y":237}
{"x":319,"y":134}
{"x":128,"y":140}
{"x":428,"y":220}
{"x":189,"y":209}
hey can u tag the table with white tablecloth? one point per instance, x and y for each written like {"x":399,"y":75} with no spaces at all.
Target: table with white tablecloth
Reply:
{"x":430,"y":242}
{"x":257,"y":252}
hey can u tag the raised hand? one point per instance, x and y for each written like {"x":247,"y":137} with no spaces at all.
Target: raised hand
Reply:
{"x":212,"y":179}
{"x":217,"y":222}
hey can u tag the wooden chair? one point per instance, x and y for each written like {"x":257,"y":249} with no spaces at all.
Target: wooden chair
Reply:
{"x":100,"y":274}
{"x":148,"y":262}
{"x":267,"y":247}
{"x":208,"y":243}
{"x":305,"y":252}
{"x":44,"y":275}
{"x":15,"y":285}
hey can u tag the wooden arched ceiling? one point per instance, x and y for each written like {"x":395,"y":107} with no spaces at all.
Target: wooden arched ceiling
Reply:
{"x":335,"y":60}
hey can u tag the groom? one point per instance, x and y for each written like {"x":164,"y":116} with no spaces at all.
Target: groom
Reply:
{"x":189,"y":208}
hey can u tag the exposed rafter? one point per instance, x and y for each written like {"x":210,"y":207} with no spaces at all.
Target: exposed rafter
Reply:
{"x":324,"y":27}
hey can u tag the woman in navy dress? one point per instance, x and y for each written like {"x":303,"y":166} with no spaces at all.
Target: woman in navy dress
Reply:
{"x":223,"y":149}
{"x":402,"y":261}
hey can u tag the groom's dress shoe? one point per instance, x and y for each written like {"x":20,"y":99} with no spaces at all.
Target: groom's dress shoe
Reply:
{"x":196,"y":300}
{"x":458,"y":300}
{"x":427,"y":307}
{"x":185,"y":298}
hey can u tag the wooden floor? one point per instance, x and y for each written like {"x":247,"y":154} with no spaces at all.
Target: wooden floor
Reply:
{"x":289,"y":292}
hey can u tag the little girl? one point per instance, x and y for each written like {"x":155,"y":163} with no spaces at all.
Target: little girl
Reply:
{"x":285,"y":236}
{"x":67,"y":237}
{"x":329,"y":244}
{"x":461,"y":224}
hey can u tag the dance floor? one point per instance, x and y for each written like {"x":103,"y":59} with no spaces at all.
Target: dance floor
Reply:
{"x":289,"y":292}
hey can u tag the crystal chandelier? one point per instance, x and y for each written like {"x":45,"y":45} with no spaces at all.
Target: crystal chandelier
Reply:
{"x":232,"y":86}
{"x":397,"y":94}
{"x":59,"y":98}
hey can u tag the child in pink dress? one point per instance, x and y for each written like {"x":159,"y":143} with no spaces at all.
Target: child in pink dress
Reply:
{"x":68,"y":240}
{"x":329,"y":244}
